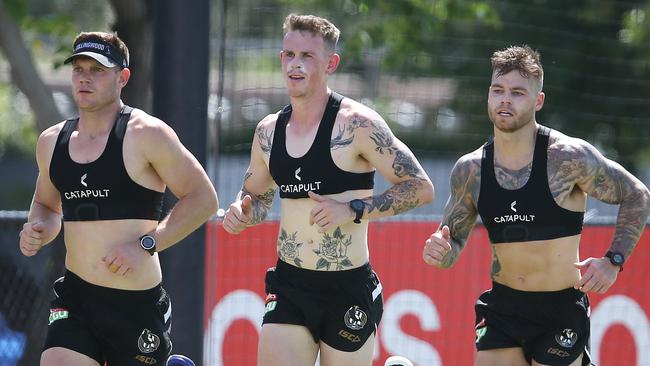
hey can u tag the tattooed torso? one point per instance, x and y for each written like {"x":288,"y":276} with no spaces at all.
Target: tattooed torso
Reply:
{"x":544,"y":265}
{"x":344,"y":247}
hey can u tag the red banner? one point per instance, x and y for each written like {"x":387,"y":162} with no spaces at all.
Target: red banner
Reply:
{"x":428,"y":313}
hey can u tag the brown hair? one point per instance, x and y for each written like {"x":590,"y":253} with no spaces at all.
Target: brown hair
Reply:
{"x":523,"y":59}
{"x":316,"y":25}
{"x":111,"y":38}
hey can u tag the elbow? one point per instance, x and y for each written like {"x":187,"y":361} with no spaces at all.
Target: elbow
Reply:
{"x":429,"y":192}
{"x":212,"y":203}
{"x":209,"y":201}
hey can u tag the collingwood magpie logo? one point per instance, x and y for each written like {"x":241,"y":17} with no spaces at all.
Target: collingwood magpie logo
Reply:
{"x":83,"y":180}
{"x":355,"y":318}
{"x":301,"y":187}
{"x":514,"y":218}
{"x":148,"y":342}
{"x":567,"y":338}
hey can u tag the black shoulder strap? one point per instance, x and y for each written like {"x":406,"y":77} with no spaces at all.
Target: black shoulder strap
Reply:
{"x":67,"y":130}
{"x":122,"y":121}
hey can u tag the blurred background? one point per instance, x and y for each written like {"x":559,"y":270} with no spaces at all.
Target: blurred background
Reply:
{"x":211,"y":70}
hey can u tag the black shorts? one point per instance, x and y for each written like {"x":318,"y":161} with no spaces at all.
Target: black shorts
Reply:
{"x":341,"y":308}
{"x":120,"y":327}
{"x":551,"y":327}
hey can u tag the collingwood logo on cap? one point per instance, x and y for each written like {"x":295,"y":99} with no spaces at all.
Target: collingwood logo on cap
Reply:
{"x":95,"y":45}
{"x":110,"y":55}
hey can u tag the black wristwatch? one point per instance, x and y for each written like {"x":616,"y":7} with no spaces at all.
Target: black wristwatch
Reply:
{"x":616,"y":259}
{"x":148,"y":243}
{"x":358,"y":206}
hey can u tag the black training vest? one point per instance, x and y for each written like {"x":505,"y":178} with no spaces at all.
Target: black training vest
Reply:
{"x":315,"y":171}
{"x":529,"y":213}
{"x":102,"y":189}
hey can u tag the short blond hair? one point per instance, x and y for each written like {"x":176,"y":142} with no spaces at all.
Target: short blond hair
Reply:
{"x":315,"y":25}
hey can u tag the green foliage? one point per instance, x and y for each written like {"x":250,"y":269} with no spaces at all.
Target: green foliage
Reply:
{"x":17,"y":133}
{"x":405,"y":34}
{"x":50,"y":26}
{"x":596,"y":55}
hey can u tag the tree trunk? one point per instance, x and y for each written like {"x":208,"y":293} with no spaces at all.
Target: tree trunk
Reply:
{"x":25,"y":75}
{"x":134,"y":26}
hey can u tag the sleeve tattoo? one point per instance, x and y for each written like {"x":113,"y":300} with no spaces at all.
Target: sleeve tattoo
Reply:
{"x":402,"y":196}
{"x":261,"y":203}
{"x":607,"y":181}
{"x":460,"y":212}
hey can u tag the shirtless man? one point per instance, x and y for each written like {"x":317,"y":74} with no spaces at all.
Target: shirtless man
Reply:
{"x":321,"y":151}
{"x":530,"y":185}
{"x":104,"y":174}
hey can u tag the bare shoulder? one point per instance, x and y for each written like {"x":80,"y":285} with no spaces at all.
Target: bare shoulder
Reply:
{"x":263,"y":138}
{"x":466,"y":175}
{"x":351,"y":109}
{"x":572,"y":160}
{"x":357,"y":119}
{"x":47,"y":140}
{"x":562,"y":147}
{"x":267,"y":123}
{"x":468,"y":166}
{"x":51,"y":133}
{"x":142,"y":125}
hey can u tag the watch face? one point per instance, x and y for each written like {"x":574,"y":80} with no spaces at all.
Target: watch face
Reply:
{"x":147,"y":242}
{"x":617,"y":258}
{"x":357,"y":205}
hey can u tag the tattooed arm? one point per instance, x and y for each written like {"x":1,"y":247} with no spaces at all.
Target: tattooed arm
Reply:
{"x":577,"y":162}
{"x":397,"y":164}
{"x":459,"y":217}
{"x":253,"y":202}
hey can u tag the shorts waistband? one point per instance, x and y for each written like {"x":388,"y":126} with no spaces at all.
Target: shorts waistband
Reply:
{"x":505,"y":291}
{"x":73,"y":281}
{"x":361,"y":272}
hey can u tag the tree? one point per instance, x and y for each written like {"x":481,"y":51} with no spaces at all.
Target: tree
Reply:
{"x":24,"y":74}
{"x":132,"y":22}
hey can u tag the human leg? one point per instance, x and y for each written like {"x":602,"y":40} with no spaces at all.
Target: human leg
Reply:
{"x":70,"y":339}
{"x":513,"y":356}
{"x":330,"y":356}
{"x":59,"y":356}
{"x":286,"y":345}
{"x":577,"y":362}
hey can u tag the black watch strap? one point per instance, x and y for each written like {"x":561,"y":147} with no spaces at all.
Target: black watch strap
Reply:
{"x":616,"y":258}
{"x":358,"y":206}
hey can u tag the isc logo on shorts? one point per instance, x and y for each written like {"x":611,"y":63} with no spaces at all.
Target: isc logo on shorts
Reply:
{"x":349,"y":336}
{"x":57,"y":314}
{"x":146,"y":360}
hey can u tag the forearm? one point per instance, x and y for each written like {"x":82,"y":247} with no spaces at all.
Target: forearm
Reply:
{"x":261,"y":205}
{"x":49,"y":218}
{"x":399,"y":198}
{"x":190,"y":212}
{"x":632,"y":216}
{"x":452,"y":256}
